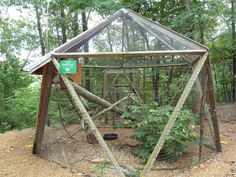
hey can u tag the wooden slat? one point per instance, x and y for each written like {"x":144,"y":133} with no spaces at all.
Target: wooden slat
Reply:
{"x":85,"y":115}
{"x":174,"y":115}
{"x":122,"y":71}
{"x":141,"y":66}
{"x":43,"y":107}
{"x":129,"y":54}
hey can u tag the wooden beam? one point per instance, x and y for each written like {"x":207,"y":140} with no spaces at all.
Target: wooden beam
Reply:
{"x":94,"y":98}
{"x":122,"y":71}
{"x":130,"y":67}
{"x":212,"y":101}
{"x":202,"y":115}
{"x":129,"y":54}
{"x":110,"y":107}
{"x":43,"y":106}
{"x":174,"y":115}
{"x":80,"y":108}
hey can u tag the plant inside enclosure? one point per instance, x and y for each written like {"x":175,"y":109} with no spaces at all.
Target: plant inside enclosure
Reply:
{"x":150,"y":123}
{"x":100,"y":168}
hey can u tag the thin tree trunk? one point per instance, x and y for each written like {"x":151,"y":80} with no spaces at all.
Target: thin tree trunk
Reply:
{"x":75,"y":24}
{"x":156,"y":82}
{"x":169,"y":82}
{"x":86,"y":49}
{"x":39,"y":28}
{"x":63,"y":26}
{"x":144,"y":86}
{"x":187,"y":9}
{"x":187,"y":6}
{"x":233,"y":21}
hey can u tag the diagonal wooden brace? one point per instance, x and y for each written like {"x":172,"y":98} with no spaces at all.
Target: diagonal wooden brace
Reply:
{"x":174,"y":115}
{"x":94,"y":98}
{"x":84,"y":114}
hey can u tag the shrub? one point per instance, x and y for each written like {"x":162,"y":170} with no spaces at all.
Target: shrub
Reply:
{"x":150,"y":123}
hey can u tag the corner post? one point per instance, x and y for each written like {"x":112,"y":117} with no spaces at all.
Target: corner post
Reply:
{"x":212,"y":102}
{"x":43,"y":106}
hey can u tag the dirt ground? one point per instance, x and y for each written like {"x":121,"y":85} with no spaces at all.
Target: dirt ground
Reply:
{"x":63,"y":156}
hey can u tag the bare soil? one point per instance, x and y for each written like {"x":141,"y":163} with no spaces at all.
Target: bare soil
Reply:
{"x":63,"y":156}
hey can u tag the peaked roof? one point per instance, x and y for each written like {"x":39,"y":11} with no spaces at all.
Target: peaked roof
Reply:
{"x":124,"y":31}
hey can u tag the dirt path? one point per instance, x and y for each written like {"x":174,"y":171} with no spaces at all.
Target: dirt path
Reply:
{"x":16,"y":158}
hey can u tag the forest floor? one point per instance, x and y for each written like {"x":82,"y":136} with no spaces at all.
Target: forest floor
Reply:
{"x":63,"y":156}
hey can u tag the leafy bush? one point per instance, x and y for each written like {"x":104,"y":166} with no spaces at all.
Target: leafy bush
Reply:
{"x":150,"y":124}
{"x":22,"y":108}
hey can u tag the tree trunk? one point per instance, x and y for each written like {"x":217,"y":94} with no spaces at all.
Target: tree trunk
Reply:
{"x":233,"y":47}
{"x":63,"y":26}
{"x":86,"y":49}
{"x":144,"y":86}
{"x":187,"y":10}
{"x":39,"y":28}
{"x":156,"y":83}
{"x":75,"y":24}
{"x":187,"y":6}
{"x":169,"y":82}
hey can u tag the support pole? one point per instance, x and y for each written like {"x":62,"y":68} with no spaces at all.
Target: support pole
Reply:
{"x":202,"y":116}
{"x":213,"y":106}
{"x":80,"y":108}
{"x":43,"y":107}
{"x":206,"y":109}
{"x":174,"y":115}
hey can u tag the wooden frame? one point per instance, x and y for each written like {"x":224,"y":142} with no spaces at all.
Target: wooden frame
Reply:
{"x":129,"y":54}
{"x":132,"y":67}
{"x":68,"y":50}
{"x":45,"y":91}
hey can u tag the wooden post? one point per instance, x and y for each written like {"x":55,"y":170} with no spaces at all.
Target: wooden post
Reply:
{"x":202,"y":115}
{"x":84,"y":114}
{"x":212,"y":102}
{"x":43,"y":106}
{"x":174,"y":115}
{"x":206,"y":109}
{"x":105,"y":92}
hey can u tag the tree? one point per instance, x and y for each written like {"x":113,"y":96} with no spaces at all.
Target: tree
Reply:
{"x":233,"y":21}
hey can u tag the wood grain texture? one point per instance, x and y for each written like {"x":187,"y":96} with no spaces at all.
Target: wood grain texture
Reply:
{"x":43,"y":106}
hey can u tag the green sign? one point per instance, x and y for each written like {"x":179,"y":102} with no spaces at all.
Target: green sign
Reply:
{"x":68,"y":66}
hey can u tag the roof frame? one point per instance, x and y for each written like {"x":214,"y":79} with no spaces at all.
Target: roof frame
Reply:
{"x":129,"y":54}
{"x":147,"y":24}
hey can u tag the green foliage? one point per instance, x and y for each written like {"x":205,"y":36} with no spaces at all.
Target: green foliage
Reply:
{"x":21,"y":109}
{"x":99,"y":169}
{"x":150,"y":124}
